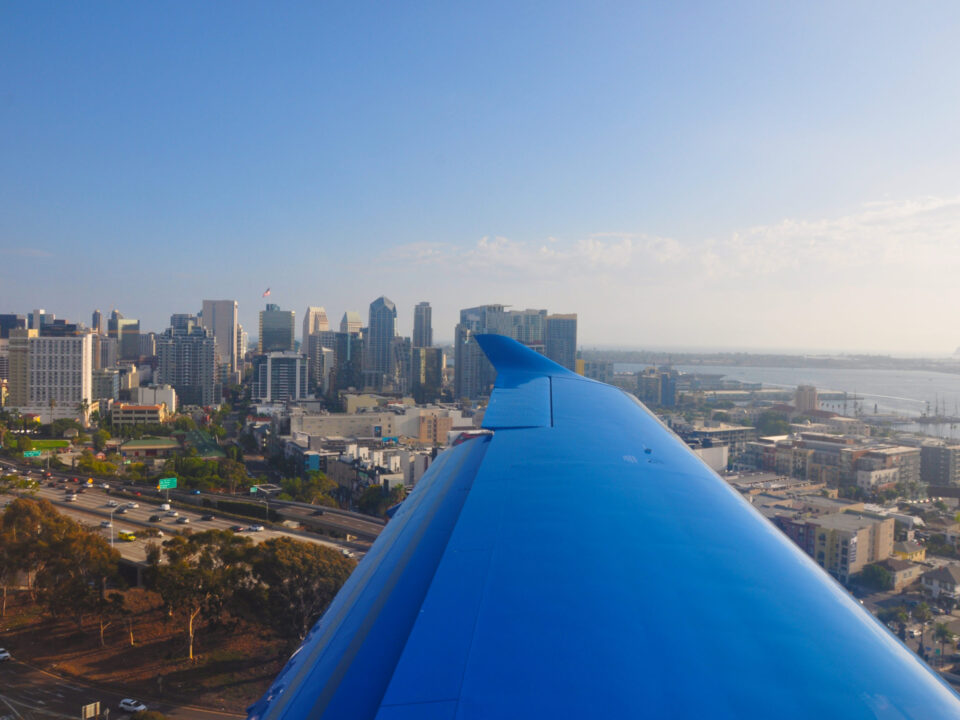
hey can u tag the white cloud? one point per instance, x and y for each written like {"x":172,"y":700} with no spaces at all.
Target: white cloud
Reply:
{"x":883,"y":264}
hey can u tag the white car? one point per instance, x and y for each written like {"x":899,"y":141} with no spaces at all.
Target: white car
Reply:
{"x":106,"y":524}
{"x":255,"y":528}
{"x":4,"y":655}
{"x":171,"y":513}
{"x":131,"y":705}
{"x":132,"y":505}
{"x":112,"y":503}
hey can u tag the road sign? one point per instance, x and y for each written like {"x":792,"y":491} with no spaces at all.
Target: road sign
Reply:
{"x":253,"y":490}
{"x":167,"y":484}
{"x":91,"y":710}
{"x":31,"y":453}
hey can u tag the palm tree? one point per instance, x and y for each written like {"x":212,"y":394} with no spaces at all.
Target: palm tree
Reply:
{"x":53,"y":404}
{"x":83,"y":406}
{"x":942,"y":634}
{"x":921,"y":613}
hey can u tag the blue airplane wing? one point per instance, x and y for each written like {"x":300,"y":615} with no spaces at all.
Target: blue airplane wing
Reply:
{"x":579,"y":561}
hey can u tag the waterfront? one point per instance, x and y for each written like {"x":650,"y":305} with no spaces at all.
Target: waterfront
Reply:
{"x":908,"y":393}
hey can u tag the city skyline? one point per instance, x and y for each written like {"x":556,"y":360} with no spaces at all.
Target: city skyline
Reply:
{"x":795,"y":171}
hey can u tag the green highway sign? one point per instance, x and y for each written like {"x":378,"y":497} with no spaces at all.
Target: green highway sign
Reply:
{"x":254,"y":489}
{"x":31,"y":453}
{"x":167,"y":484}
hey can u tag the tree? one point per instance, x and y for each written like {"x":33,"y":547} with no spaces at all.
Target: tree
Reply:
{"x":376,"y":499}
{"x":942,"y":634}
{"x":896,"y":615}
{"x":772,"y":423}
{"x":100,"y":438}
{"x":877,"y":576}
{"x":200,"y":576}
{"x":921,"y":613}
{"x":296,"y":582}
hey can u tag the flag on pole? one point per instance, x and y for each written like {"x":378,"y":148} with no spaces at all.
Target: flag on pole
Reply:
{"x":266,"y":292}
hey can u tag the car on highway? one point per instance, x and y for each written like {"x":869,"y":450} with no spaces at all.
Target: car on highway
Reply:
{"x":208,"y":516}
{"x":106,"y":524}
{"x":183,"y":520}
{"x":171,"y":513}
{"x":236,"y":528}
{"x":126,"y":535}
{"x":105,"y":486}
{"x":121,"y":511}
{"x":155,"y":518}
{"x":255,"y":528}
{"x":5,"y":655}
{"x":112,"y":503}
{"x":317,"y":512}
{"x":131,"y":705}
{"x":81,"y":489}
{"x":72,"y":497}
{"x":51,"y":484}
{"x":133,"y":505}
{"x":194,"y":492}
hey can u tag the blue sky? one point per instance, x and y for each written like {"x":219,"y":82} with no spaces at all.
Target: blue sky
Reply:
{"x":679,"y":174}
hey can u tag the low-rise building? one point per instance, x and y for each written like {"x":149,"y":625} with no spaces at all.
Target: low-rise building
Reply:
{"x":942,"y":582}
{"x":910,"y":550}
{"x":152,"y":447}
{"x":902,"y":572}
{"x":128,"y":414}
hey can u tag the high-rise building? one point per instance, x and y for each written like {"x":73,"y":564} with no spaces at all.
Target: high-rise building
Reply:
{"x":11,"y":322}
{"x":426,"y":371}
{"x":315,"y":320}
{"x":276,"y":330}
{"x":242,"y":343}
{"x":220,"y":317}
{"x":561,"y":340}
{"x":39,"y":318}
{"x":280,"y":376}
{"x":807,"y":398}
{"x":320,"y":358}
{"x":126,"y":331}
{"x":380,"y":334}
{"x":148,"y":344}
{"x":347,"y":361}
{"x":96,"y":322}
{"x":940,"y":464}
{"x":422,"y":325}
{"x":351,"y":322}
{"x":51,"y":375}
{"x":183,"y":321}
{"x":187,"y":359}
{"x":529,"y":327}
{"x":106,"y":384}
{"x":473,"y":373}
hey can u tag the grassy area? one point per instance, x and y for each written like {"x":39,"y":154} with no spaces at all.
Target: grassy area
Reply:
{"x":50,"y":444}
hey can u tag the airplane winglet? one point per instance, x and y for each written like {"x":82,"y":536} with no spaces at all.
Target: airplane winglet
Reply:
{"x":509,"y":356}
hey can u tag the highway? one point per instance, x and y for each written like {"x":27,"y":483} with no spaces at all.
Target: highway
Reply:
{"x":92,"y":506}
{"x":28,"y":693}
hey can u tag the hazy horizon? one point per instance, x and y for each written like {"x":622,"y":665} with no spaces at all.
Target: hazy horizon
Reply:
{"x":744,"y":176}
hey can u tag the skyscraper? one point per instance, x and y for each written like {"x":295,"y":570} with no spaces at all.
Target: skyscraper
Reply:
{"x":473,"y":373}
{"x":187,"y":359}
{"x":382,"y":330}
{"x":126,"y":331}
{"x":422,"y":325}
{"x":276,"y":330}
{"x":351,"y":322}
{"x":426,"y":374}
{"x":96,"y":322}
{"x":315,"y":320}
{"x":220,"y":317}
{"x":280,"y":376}
{"x":561,"y":340}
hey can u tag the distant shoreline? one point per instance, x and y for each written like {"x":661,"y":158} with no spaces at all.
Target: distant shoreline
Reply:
{"x":733,"y":359}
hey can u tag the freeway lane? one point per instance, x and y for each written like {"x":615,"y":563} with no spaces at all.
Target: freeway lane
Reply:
{"x":27,"y":693}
